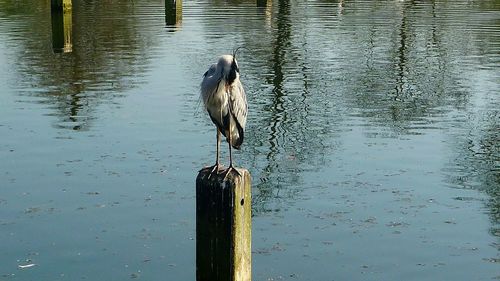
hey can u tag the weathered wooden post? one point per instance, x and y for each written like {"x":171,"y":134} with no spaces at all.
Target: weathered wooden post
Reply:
{"x":223,"y":226}
{"x":173,"y":11}
{"x":62,"y":26}
{"x":61,"y":4}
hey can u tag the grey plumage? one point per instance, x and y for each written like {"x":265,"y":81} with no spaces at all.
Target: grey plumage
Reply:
{"x":225,"y":101}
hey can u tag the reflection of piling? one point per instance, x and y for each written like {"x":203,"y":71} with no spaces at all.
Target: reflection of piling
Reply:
{"x":223,"y":226}
{"x":173,"y":11}
{"x":61,"y":30}
{"x":60,"y":4}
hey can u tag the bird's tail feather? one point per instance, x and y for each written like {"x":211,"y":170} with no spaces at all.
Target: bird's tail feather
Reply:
{"x":237,"y":132}
{"x":236,"y":142}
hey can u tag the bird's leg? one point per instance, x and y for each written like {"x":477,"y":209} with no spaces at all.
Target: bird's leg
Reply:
{"x":230,"y":168}
{"x":230,"y":153}
{"x":218,"y":149}
{"x":215,"y":168}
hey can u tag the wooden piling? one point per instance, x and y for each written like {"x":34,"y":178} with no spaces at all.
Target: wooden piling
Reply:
{"x":62,"y":27}
{"x":223,"y":226}
{"x":61,"y":4}
{"x":173,"y":12}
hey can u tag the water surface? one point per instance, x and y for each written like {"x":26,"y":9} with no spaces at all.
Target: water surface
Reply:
{"x":373,"y":138}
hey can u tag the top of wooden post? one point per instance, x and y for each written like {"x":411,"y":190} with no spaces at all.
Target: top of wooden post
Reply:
{"x":206,"y":175}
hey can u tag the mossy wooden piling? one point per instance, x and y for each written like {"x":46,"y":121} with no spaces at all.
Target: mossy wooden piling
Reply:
{"x":62,"y":28}
{"x":61,"y":4}
{"x":173,"y":12}
{"x":223,"y":226}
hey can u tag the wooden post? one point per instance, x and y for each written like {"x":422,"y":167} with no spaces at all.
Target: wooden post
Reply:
{"x":173,"y":11}
{"x":61,"y":30}
{"x":223,"y":226}
{"x":61,"y":4}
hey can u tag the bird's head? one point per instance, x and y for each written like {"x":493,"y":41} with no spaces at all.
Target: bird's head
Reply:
{"x":229,"y":68}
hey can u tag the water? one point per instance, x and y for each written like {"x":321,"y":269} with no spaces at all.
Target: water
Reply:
{"x":372,"y":138}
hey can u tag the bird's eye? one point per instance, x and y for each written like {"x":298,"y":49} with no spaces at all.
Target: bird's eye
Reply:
{"x":234,"y":66}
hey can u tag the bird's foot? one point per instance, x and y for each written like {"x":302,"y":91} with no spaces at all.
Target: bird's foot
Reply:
{"x":214,"y":170}
{"x":230,"y":169}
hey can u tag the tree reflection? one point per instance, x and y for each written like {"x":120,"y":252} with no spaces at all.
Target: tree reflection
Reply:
{"x":108,"y":56}
{"x":271,"y":179}
{"x":426,"y":82}
{"x":476,"y":164}
{"x":444,"y":84}
{"x":295,"y":133}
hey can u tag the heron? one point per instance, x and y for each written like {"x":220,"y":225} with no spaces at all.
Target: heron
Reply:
{"x":225,"y":101}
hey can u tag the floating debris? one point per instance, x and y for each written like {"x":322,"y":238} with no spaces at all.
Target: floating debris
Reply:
{"x":26,"y":265}
{"x":32,"y":210}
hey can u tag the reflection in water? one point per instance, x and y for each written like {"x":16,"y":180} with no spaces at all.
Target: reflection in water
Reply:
{"x":295,"y":132}
{"x":429,"y":82}
{"x":476,"y":164}
{"x":278,"y":114}
{"x":405,"y":74}
{"x":107,"y":54}
{"x":400,"y":81}
{"x":61,"y":30}
{"x":334,"y":87}
{"x":262,"y":3}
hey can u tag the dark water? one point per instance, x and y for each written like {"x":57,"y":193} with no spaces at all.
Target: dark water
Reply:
{"x":373,"y":138}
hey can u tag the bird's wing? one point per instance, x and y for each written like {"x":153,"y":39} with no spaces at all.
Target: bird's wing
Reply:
{"x":238,"y":104}
{"x":209,"y":83}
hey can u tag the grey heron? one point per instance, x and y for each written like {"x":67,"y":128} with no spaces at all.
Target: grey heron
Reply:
{"x":225,"y":101}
